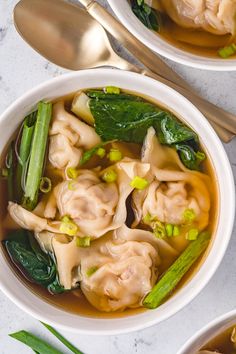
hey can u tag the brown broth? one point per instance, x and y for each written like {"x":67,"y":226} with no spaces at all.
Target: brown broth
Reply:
{"x":196,"y":42}
{"x":222,"y":343}
{"x":74,"y":301}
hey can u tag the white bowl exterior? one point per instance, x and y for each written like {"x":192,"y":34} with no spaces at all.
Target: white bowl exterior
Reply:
{"x":208,"y":332}
{"x":159,"y":45}
{"x":63,"y":85}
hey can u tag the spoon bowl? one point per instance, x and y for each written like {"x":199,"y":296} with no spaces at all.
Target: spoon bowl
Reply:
{"x":69,"y":37}
{"x":69,"y":44}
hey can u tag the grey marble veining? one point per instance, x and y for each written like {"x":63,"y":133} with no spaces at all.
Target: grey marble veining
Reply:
{"x":21,"y":69}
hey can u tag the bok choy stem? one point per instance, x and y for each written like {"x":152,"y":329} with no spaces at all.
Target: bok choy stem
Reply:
{"x":24,"y":152}
{"x":176,"y":272}
{"x":37,"y":155}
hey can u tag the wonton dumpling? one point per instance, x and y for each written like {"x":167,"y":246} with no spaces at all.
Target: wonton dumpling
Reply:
{"x":91,"y":203}
{"x":68,"y":135}
{"x":215,"y":16}
{"x":30,"y":221}
{"x":95,"y":206}
{"x":124,"y":270}
{"x":171,"y":191}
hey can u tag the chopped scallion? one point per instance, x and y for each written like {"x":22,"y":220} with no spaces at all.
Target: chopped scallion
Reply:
{"x":192,"y":234}
{"x":101,"y":152}
{"x":83,"y":241}
{"x":109,"y":176}
{"x":176,"y":230}
{"x":189,"y":215}
{"x":227,"y":51}
{"x":159,"y":229}
{"x":45,"y":185}
{"x":68,"y":226}
{"x":169,"y":230}
{"x":114,"y":155}
{"x":112,"y":90}
{"x":72,"y":173}
{"x":200,"y":156}
{"x":139,"y":183}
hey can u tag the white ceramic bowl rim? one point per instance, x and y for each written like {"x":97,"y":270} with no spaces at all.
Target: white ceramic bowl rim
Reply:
{"x":123,"y":11}
{"x":202,"y":336}
{"x":60,"y":86}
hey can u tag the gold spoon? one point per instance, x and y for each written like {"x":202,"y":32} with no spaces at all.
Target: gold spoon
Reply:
{"x":66,"y":35}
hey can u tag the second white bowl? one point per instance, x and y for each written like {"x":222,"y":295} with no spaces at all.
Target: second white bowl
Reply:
{"x":124,"y":12}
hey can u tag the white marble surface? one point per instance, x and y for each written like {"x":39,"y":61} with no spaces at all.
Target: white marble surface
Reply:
{"x":21,"y":69}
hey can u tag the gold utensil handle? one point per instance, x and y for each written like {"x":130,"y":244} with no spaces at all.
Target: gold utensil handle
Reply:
{"x":134,"y":46}
{"x":224,"y":134}
{"x":218,"y":116}
{"x":215,"y":114}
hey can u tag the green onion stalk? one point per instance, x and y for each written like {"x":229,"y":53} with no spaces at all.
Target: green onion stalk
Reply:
{"x":37,"y":155}
{"x":24,"y":153}
{"x":175,"y":273}
{"x":10,"y":173}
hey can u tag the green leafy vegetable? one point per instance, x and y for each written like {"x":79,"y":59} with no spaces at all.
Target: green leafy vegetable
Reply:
{"x":36,"y":344}
{"x":189,"y":157}
{"x":10,"y":172}
{"x":175,"y":273}
{"x":171,"y":131}
{"x":37,"y":155}
{"x":129,"y":118}
{"x":24,"y":153}
{"x":100,"y":94}
{"x":63,"y":340}
{"x":148,"y":16}
{"x":36,"y":266}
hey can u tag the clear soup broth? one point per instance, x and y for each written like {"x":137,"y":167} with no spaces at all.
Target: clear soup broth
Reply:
{"x":79,"y":299}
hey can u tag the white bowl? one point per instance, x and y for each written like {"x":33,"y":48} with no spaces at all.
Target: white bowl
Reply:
{"x":208,"y":332}
{"x":63,"y":85}
{"x":159,"y":45}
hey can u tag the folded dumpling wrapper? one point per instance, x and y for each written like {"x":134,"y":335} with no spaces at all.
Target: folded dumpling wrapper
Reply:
{"x":214,"y":16}
{"x":173,"y":188}
{"x":125,"y":267}
{"x":68,"y":137}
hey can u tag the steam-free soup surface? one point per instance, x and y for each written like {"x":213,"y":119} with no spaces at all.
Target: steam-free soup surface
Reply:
{"x":116,"y":214}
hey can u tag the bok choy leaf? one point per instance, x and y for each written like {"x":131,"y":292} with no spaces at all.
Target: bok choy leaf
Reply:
{"x":127,"y":118}
{"x":33,"y":263}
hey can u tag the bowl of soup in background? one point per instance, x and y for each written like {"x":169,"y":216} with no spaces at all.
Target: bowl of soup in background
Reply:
{"x":214,"y":336}
{"x":30,"y":302}
{"x":168,"y":47}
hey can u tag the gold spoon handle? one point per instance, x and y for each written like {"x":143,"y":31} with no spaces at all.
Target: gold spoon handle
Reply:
{"x":130,"y":42}
{"x":212,"y":112}
{"x":224,"y":134}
